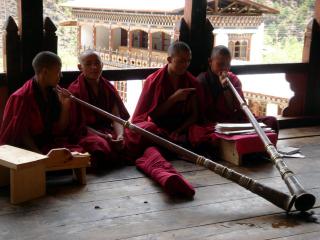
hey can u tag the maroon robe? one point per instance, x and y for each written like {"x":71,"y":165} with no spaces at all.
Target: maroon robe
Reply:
{"x":106,"y":100}
{"x":26,"y":111}
{"x":216,"y":107}
{"x":156,"y":90}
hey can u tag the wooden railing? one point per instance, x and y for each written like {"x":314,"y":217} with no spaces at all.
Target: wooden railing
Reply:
{"x":121,"y":58}
{"x":303,"y":80}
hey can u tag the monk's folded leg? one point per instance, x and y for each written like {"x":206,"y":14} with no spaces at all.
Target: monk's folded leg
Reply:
{"x":102,"y":155}
{"x":155,"y":166}
{"x":136,"y":143}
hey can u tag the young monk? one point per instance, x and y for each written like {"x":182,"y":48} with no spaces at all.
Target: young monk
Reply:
{"x":38,"y":119}
{"x":168,"y":106}
{"x":221,"y":104}
{"x":35,"y":117}
{"x":91,"y":87}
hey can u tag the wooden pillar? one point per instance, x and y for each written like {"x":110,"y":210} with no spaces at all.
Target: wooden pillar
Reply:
{"x":150,"y":42}
{"x":312,"y":106}
{"x":30,"y":13}
{"x":94,"y":36}
{"x":196,"y":31}
{"x":111,"y":37}
{"x":162,"y":40}
{"x":50,"y":39}
{"x":79,"y":45}
{"x":129,"y":39}
{"x":140,"y":38}
{"x":11,"y":55}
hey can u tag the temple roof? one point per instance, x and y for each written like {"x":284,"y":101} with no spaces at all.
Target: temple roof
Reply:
{"x":225,"y":7}
{"x":129,"y":5}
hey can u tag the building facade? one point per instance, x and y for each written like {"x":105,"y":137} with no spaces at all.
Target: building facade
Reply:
{"x":138,"y":33}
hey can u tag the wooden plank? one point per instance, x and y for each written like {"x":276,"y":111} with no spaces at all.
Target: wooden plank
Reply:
{"x":27,"y":183}
{"x":62,"y":158}
{"x":299,"y":132}
{"x":259,"y":228}
{"x":299,"y":142}
{"x":75,"y":218}
{"x":18,"y":158}
{"x":125,"y":204}
{"x":207,"y":186}
{"x":134,"y":216}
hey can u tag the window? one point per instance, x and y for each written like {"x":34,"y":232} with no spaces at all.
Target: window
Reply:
{"x":239,"y":46}
{"x":121,"y":86}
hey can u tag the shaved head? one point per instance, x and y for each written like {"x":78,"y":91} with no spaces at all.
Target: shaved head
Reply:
{"x":87,"y":53}
{"x":178,"y":47}
{"x":220,"y":50}
{"x":45,"y":59}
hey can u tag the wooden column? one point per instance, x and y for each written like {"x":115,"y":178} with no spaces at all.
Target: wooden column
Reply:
{"x":11,"y":55}
{"x":30,"y":13}
{"x":150,"y":41}
{"x":312,"y":106}
{"x":196,"y":31}
{"x":79,"y":45}
{"x":129,"y":39}
{"x":111,"y":37}
{"x":140,"y":38}
{"x":162,"y":40}
{"x":50,"y":39}
{"x":94,"y":35}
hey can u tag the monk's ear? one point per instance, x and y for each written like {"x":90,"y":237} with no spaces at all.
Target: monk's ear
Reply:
{"x":80,"y":67}
{"x":169,"y":59}
{"x":209,"y":61}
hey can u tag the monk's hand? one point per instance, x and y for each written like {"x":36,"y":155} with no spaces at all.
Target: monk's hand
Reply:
{"x":118,"y":143}
{"x":64,"y":93}
{"x":182,"y":94}
{"x":64,"y":98}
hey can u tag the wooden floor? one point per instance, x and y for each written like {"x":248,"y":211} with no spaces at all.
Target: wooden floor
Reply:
{"x":124,"y":204}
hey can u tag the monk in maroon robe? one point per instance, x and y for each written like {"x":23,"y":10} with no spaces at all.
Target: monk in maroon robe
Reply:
{"x":168,"y":106}
{"x":91,"y":87}
{"x":38,"y":119}
{"x":221,"y":105}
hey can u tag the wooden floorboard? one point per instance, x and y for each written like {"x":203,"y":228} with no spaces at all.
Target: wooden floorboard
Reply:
{"x":124,"y":204}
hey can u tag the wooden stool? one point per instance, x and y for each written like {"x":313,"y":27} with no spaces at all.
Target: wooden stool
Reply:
{"x":24,"y":171}
{"x":233,"y":148}
{"x":62,"y":158}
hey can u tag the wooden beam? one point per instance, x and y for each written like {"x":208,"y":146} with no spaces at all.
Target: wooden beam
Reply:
{"x":196,"y":30}
{"x":312,"y":106}
{"x":30,"y":14}
{"x":317,"y":11}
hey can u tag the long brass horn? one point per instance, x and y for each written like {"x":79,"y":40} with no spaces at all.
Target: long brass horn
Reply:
{"x":280,"y":199}
{"x":303,"y":200}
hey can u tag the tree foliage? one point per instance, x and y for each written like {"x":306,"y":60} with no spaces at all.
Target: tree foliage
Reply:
{"x":284,"y":32}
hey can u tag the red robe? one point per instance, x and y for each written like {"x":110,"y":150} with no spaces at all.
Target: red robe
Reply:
{"x":216,"y":110}
{"x":26,"y":111}
{"x":107,"y":98}
{"x":156,"y":90}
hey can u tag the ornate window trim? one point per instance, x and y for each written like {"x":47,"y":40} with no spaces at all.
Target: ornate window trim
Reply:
{"x":239,"y":45}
